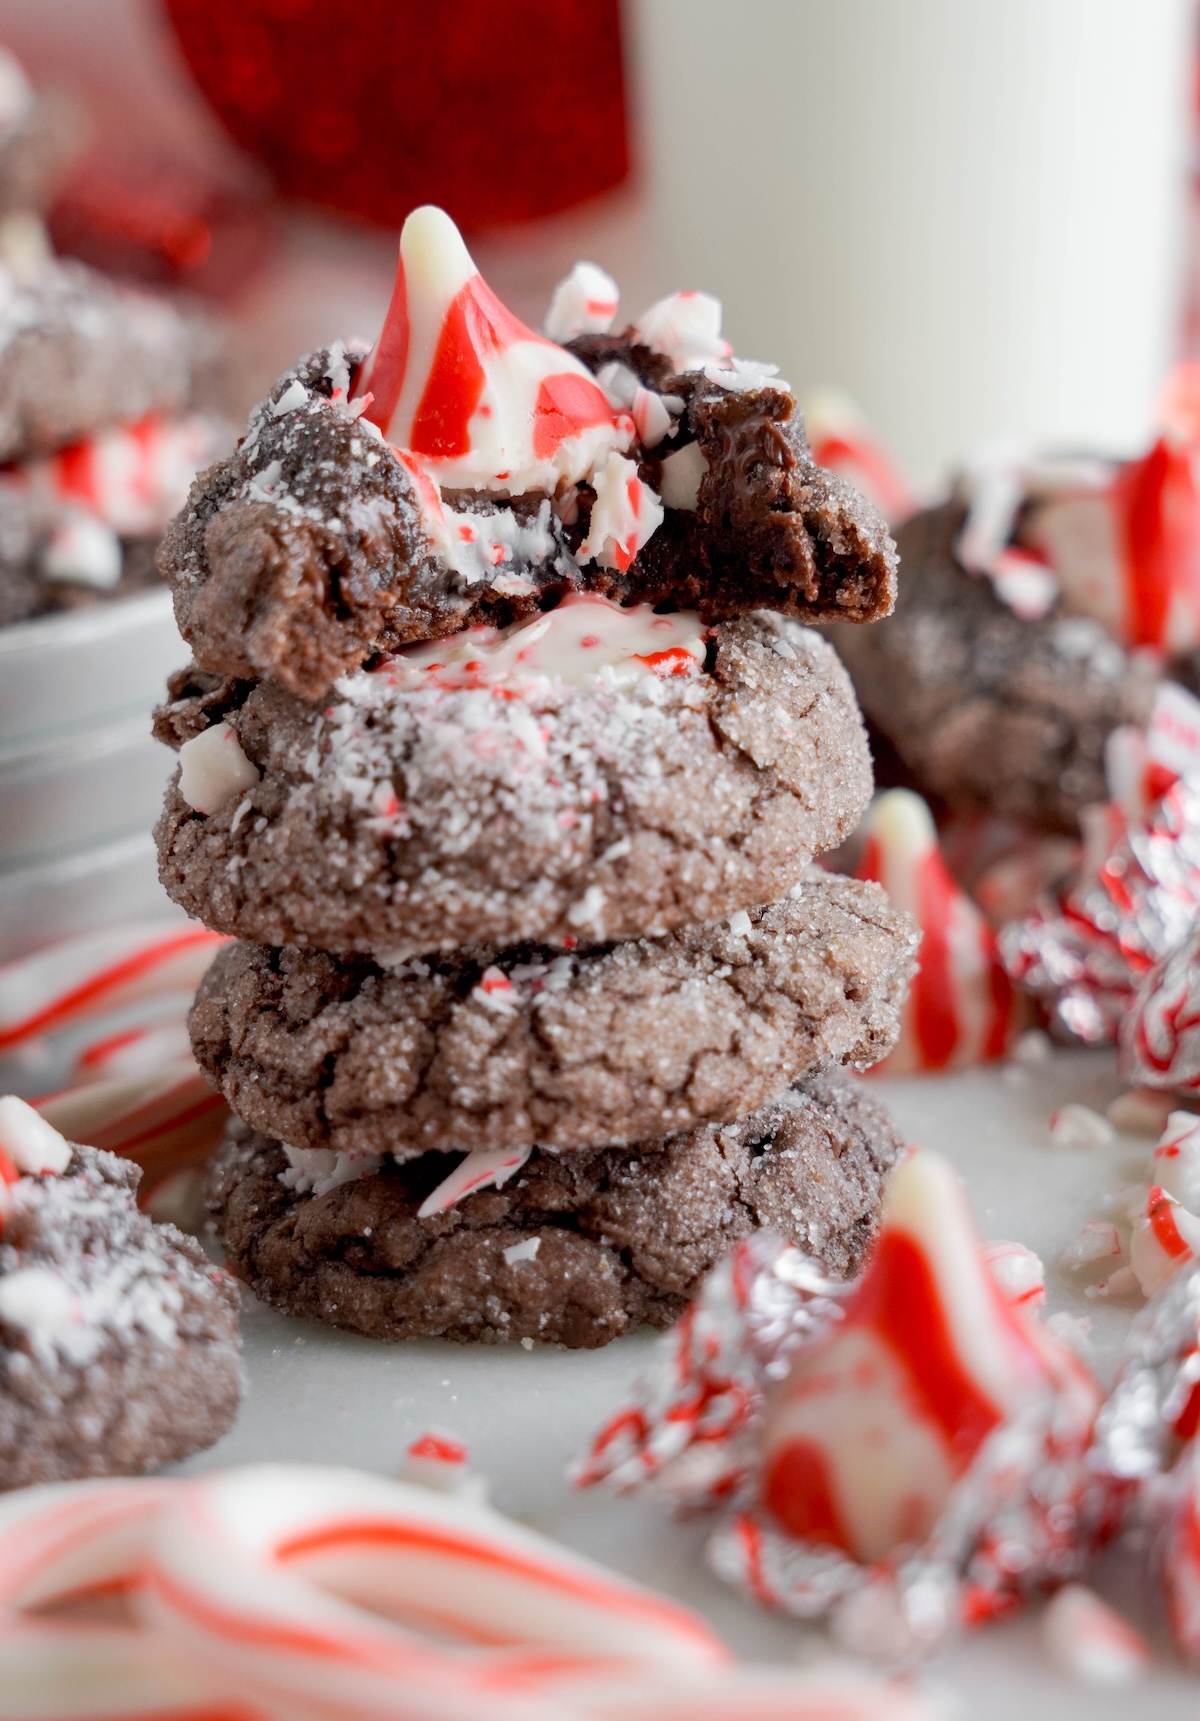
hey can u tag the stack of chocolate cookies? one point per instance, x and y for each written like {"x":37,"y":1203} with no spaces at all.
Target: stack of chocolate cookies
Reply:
{"x":506,"y":757}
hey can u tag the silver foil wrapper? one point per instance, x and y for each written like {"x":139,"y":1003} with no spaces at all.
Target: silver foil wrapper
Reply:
{"x":1154,"y":1406}
{"x":1146,"y":1450}
{"x":1133,"y":904}
{"x":1026,"y":1513}
{"x":1160,"y":1035}
{"x":689,"y":1431}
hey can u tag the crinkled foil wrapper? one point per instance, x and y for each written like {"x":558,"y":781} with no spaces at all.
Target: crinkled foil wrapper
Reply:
{"x":1152,"y":1404}
{"x":1084,"y":958}
{"x":1146,"y":1447}
{"x":689,"y":1432}
{"x":1160,"y":1036}
{"x":1026,"y":1513}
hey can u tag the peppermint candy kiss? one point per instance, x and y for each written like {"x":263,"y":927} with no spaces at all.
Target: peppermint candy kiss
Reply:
{"x":480,"y":401}
{"x":960,"y":1008}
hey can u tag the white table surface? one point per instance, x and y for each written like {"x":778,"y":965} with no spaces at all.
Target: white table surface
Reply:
{"x":327,"y":1397}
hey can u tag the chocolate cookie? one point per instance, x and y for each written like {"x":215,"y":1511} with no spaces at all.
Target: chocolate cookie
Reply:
{"x":314,"y":544}
{"x":574,"y":1250}
{"x":80,"y":352}
{"x":609,"y":1045}
{"x":25,"y":593}
{"x":988,"y":710}
{"x":119,"y":1347}
{"x":403,"y":821}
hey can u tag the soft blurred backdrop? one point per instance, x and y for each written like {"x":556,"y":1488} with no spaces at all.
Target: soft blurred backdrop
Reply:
{"x":975,"y":219}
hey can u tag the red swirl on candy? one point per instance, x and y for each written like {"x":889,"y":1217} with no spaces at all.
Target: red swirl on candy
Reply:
{"x":960,"y":1007}
{"x":477,"y":398}
{"x":906,"y":1455}
{"x":1135,"y":899}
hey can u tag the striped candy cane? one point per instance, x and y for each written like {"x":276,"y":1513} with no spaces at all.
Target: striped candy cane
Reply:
{"x":97,"y":972}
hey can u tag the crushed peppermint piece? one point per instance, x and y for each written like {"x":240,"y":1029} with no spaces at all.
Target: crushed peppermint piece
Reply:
{"x":294,"y":396}
{"x":213,"y":769}
{"x":317,"y":1170}
{"x":485,"y":1168}
{"x":584,"y":302}
{"x":1074,"y":1125}
{"x":683,"y":473}
{"x":739,"y":923}
{"x":625,"y":515}
{"x":83,"y":551}
{"x":526,"y":1251}
{"x":1098,"y":1241}
{"x":37,"y":1300}
{"x":1089,"y":1641}
{"x":31,"y":1144}
{"x":588,"y":911}
{"x":685,"y":328}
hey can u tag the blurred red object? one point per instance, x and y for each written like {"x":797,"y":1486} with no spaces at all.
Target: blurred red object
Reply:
{"x":498,"y":112}
{"x":158,"y":221}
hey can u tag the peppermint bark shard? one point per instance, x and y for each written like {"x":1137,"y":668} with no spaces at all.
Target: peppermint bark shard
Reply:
{"x":521,"y":470}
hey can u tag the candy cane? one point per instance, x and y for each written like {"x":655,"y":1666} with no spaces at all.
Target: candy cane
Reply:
{"x":99,"y":971}
{"x":164,"y":1122}
{"x":245,"y":1598}
{"x":74,"y":1543}
{"x":249,"y":1570}
{"x":758,"y":1694}
{"x":133,"y":1052}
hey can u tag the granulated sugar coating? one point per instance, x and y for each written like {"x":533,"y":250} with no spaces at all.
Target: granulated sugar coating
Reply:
{"x":624,"y":1234}
{"x":404,"y":822}
{"x":607,"y":1045}
{"x":119,"y":1347}
{"x":986,"y":709}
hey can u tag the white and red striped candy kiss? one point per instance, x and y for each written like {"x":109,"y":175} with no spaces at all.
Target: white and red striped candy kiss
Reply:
{"x":1128,"y":554}
{"x":960,"y":1006}
{"x":481,"y":401}
{"x":841,"y":439}
{"x":867,"y":1436}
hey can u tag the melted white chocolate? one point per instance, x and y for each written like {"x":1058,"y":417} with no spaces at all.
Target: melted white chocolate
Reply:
{"x":585,"y":640}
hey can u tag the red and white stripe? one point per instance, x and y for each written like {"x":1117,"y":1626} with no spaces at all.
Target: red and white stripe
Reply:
{"x":1165,"y":1237}
{"x":133,"y":477}
{"x":841,"y":440}
{"x":164,"y":1121}
{"x":483,"y":1168}
{"x":960,"y":1007}
{"x":477,"y":398}
{"x":867,"y":1435}
{"x":83,"y":1545}
{"x":1181,"y":1556}
{"x":273,"y":1593}
{"x":250,"y":1570}
{"x":98,"y":972}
